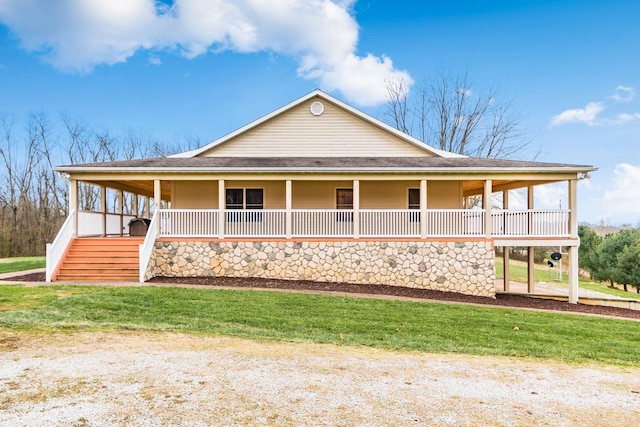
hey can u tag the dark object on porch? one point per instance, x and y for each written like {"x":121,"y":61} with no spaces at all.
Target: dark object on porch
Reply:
{"x":139,"y":226}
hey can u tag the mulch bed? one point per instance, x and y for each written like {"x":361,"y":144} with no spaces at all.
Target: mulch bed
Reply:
{"x":399,"y":291}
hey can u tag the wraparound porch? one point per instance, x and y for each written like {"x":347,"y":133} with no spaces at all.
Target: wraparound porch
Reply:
{"x":495,"y":225}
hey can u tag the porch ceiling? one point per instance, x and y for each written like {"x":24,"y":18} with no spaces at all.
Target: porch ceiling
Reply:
{"x":476,"y":187}
{"x":141,"y":187}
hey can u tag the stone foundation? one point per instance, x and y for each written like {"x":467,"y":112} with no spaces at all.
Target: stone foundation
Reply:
{"x":464,"y":267}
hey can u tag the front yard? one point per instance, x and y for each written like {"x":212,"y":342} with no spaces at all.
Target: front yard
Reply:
{"x":342,"y":320}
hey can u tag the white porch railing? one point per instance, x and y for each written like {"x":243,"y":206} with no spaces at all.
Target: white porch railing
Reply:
{"x":146,"y":247}
{"x":533,"y":223}
{"x":322,"y":222}
{"x":455,"y":222}
{"x":189,"y":222}
{"x":391,"y":222}
{"x":55,"y":251}
{"x":91,"y":224}
{"x":370,"y":223}
{"x":255,"y":222}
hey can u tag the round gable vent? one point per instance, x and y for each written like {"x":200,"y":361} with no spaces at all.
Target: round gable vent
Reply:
{"x":316,"y":108}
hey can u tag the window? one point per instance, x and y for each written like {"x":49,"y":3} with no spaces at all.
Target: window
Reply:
{"x":235,"y":199}
{"x":244,"y":198}
{"x":255,"y":199}
{"x":414,"y":198}
{"x":344,"y":200}
{"x":414,"y":203}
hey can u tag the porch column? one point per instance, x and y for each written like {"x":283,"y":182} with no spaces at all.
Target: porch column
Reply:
{"x":486,"y":205}
{"x":103,"y":209}
{"x":222,"y":199}
{"x":573,"y":250}
{"x":73,"y":204}
{"x":573,"y":274}
{"x":505,"y":249}
{"x":288,"y":204}
{"x":573,"y":204}
{"x":147,"y":207}
{"x":423,"y":208}
{"x":531,"y":281}
{"x":356,"y":209}
{"x":121,"y":211}
{"x":157,"y":194}
{"x":134,"y":205}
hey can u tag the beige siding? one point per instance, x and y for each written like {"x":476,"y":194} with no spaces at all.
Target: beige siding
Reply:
{"x":386,"y":194}
{"x":298,"y":133}
{"x":444,"y":195}
{"x":320,"y":194}
{"x":194,"y":195}
{"x":316,"y":195}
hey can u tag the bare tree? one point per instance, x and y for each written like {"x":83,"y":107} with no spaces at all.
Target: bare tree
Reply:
{"x":448,"y":113}
{"x":34,"y":200}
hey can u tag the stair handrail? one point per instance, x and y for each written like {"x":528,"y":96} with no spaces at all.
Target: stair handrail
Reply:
{"x":146,"y":247}
{"x":55,"y":251}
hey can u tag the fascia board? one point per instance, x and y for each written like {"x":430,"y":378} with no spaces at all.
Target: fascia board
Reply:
{"x":323,"y":170}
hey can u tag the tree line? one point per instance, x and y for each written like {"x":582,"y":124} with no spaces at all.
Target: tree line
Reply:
{"x":33,"y":198}
{"x":613,"y":258}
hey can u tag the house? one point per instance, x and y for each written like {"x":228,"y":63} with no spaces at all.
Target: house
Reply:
{"x":316,"y":190}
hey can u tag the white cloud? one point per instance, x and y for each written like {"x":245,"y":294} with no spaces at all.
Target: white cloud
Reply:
{"x":587,"y":115}
{"x":622,"y":119}
{"x":78,"y":35}
{"x":621,"y":198}
{"x":590,"y":114}
{"x":154,"y":60}
{"x":623,"y":94}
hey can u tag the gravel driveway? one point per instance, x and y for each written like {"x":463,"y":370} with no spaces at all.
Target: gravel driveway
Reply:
{"x":163,"y":379}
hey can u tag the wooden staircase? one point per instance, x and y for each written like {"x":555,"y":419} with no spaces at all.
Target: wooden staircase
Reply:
{"x":101,"y":259}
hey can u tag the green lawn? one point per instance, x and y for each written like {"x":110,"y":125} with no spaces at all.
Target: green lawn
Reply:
{"x":8,"y":265}
{"x":399,"y":325}
{"x":518,"y":273}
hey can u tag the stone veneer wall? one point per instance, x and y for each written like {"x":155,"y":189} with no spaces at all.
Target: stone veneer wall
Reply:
{"x":465,"y":267}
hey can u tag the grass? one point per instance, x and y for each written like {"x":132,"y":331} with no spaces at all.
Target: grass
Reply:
{"x":9,"y":265}
{"x":518,"y":273}
{"x":397,"y":325}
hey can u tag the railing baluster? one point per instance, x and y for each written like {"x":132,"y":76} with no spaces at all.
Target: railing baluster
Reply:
{"x":373,"y":223}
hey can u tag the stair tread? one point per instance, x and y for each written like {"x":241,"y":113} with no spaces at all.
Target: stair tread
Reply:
{"x":102,"y":259}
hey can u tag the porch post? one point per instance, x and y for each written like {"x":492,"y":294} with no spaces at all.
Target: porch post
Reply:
{"x":486,"y":204}
{"x":121,"y":211}
{"x":157,"y":194}
{"x":103,"y":209}
{"x":423,"y":208}
{"x":73,"y":204}
{"x":356,"y":209}
{"x":531,"y":281}
{"x":221,"y":207}
{"x":573,"y":250}
{"x":134,"y":205}
{"x":288,"y":204}
{"x":573,"y":204}
{"x":505,"y":249}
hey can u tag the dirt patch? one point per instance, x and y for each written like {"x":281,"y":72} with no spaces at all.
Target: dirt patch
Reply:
{"x":393,"y":291}
{"x":149,"y":379}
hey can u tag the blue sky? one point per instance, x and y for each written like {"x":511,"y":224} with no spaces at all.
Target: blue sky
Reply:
{"x":200,"y":69}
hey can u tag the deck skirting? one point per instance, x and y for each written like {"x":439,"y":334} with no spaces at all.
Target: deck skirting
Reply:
{"x":464,"y":267}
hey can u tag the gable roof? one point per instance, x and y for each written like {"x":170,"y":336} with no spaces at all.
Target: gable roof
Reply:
{"x":326,"y":97}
